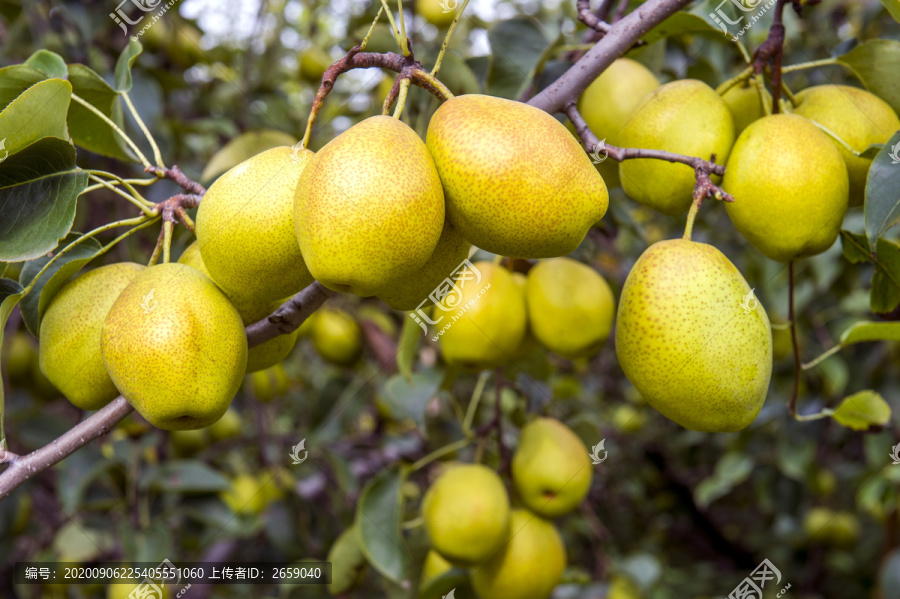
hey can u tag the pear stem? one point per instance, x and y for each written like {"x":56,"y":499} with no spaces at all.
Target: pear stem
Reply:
{"x":809,"y":65}
{"x":112,"y":125}
{"x":692,"y":214}
{"x":364,"y":43}
{"x":137,"y":200}
{"x":473,"y":403}
{"x":446,"y":42}
{"x":745,"y":75}
{"x":401,"y":98}
{"x":157,"y":156}
{"x":437,"y":453}
{"x":792,"y":402}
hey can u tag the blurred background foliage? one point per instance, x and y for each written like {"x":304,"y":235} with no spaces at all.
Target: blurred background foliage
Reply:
{"x":671,"y":514}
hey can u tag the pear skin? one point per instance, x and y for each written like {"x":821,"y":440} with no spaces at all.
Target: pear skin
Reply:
{"x":745,"y":105}
{"x":336,"y":336}
{"x":175,"y":347}
{"x":69,"y":351}
{"x":692,"y":339}
{"x":609,"y":101}
{"x":517,"y":182}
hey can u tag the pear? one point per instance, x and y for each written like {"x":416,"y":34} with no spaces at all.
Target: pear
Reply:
{"x":369,"y":208}
{"x":517,"y":182}
{"x":855,"y":115}
{"x":745,"y":105}
{"x":466,"y":514}
{"x":269,"y":383}
{"x":245,"y":226}
{"x":336,"y":336}
{"x":69,"y":351}
{"x":434,"y":12}
{"x":570,"y":307}
{"x":175,"y":347}
{"x":790,"y":187}
{"x":609,"y":101}
{"x":551,"y":468}
{"x":834,"y":528}
{"x":434,"y":566}
{"x":450,"y":252}
{"x":529,"y":566}
{"x":313,"y":63}
{"x":685,"y":117}
{"x":229,"y":425}
{"x":692,"y":338}
{"x":188,"y":443}
{"x":247,"y":494}
{"x":486,"y":324}
{"x":20,"y":355}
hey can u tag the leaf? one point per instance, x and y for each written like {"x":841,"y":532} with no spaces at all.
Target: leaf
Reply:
{"x":885,"y":292}
{"x":410,"y":337}
{"x":185,"y":476}
{"x":882,"y":205}
{"x":876,"y":63}
{"x":893,"y":7}
{"x":347,"y":562}
{"x":49,"y":63}
{"x":38,"y":112}
{"x":516,"y":48}
{"x":87,"y":129}
{"x":38,"y":299}
{"x":679,"y":23}
{"x":81,"y":544}
{"x":38,"y":190}
{"x":378,"y":515}
{"x":16,"y":79}
{"x":407,"y":398}
{"x":732,"y":469}
{"x":242,"y":147}
{"x":871,"y":331}
{"x":862,"y":410}
{"x":124,"y":64}
{"x":889,"y":575}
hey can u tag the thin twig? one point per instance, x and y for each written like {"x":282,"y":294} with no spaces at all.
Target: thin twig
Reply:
{"x":792,"y":402}
{"x":115,"y":128}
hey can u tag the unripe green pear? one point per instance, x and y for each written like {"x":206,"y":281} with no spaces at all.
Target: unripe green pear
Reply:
{"x":551,"y":468}
{"x":245,"y":227}
{"x":434,"y":566}
{"x":685,"y":117}
{"x":745,"y":105}
{"x":466,"y":513}
{"x":369,"y":208}
{"x":692,"y":339}
{"x":517,"y":182}
{"x":269,"y":383}
{"x":789,"y":185}
{"x":570,"y":307}
{"x":246,"y":495}
{"x":336,"y":336}
{"x":175,"y":347}
{"x":433,"y":12}
{"x":187,"y":443}
{"x":229,"y":425}
{"x":622,"y":587}
{"x":20,"y":354}
{"x":487,"y":324}
{"x":855,"y":115}
{"x":529,"y":566}
{"x":70,"y":334}
{"x":834,"y":528}
{"x":408,"y":293}
{"x":609,"y":101}
{"x":313,"y":63}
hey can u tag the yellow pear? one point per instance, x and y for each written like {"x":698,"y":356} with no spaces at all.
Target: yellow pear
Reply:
{"x":517,"y":182}
{"x":789,"y":185}
{"x":692,"y":338}
{"x":745,"y":105}
{"x":858,"y":117}
{"x":229,"y":425}
{"x":823,"y":525}
{"x":450,"y":252}
{"x":529,"y":566}
{"x":436,"y":12}
{"x":251,"y":309}
{"x":313,"y":63}
{"x":245,"y":226}
{"x":570,"y":307}
{"x":369,"y":208}
{"x":486,"y":323}
{"x":434,"y":566}
{"x":247,"y":494}
{"x":69,"y":351}
{"x":175,"y":347}
{"x":336,"y":336}
{"x":609,"y":101}
{"x":551,"y":468}
{"x":270,"y":383}
{"x":685,"y":117}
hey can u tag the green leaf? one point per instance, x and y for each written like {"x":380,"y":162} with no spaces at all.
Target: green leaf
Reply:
{"x":378,"y":515}
{"x":49,"y":63}
{"x":876,"y":63}
{"x":516,"y":48}
{"x":882,"y":205}
{"x":45,"y":289}
{"x":10,"y":294}
{"x":38,"y":112}
{"x":862,"y":410}
{"x":80,"y":543}
{"x":440,"y":587}
{"x":242,"y":147}
{"x":893,"y":7}
{"x":732,"y":469}
{"x":124,"y":64}
{"x":347,"y":562}
{"x":408,"y":398}
{"x":889,"y":575}
{"x":862,"y":331}
{"x":885,"y":293}
{"x":185,"y":476}
{"x":410,"y":337}
{"x":679,"y":23}
{"x":87,"y":129}
{"x":38,"y":190}
{"x":16,"y":79}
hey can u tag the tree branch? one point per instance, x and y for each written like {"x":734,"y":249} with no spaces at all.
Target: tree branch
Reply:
{"x":290,"y":315}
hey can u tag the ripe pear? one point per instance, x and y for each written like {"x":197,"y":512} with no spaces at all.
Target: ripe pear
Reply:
{"x":408,"y":293}
{"x":517,"y":182}
{"x":745,"y":105}
{"x":611,"y":98}
{"x":247,"y":494}
{"x":175,"y":347}
{"x":69,"y":351}
{"x":245,"y":226}
{"x":336,"y":336}
{"x":434,"y":566}
{"x":529,"y":566}
{"x":551,"y":468}
{"x":487,"y":324}
{"x":433,"y":11}
{"x":251,"y":309}
{"x":790,"y":187}
{"x":692,"y":338}
{"x":855,"y":115}
{"x":369,"y":208}
{"x":466,"y":513}
{"x":685,"y":117}
{"x":570,"y":307}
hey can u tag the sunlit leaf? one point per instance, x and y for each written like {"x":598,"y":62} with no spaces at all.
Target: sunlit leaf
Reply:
{"x":863,"y":410}
{"x":38,"y":112}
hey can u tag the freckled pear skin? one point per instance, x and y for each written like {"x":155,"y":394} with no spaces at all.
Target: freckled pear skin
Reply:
{"x":790,"y":187}
{"x":517,"y":182}
{"x":245,"y":226}
{"x":369,"y":208}
{"x":686,"y":343}
{"x":180,"y":356}
{"x":69,"y":351}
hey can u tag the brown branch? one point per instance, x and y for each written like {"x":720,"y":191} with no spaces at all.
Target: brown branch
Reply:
{"x":586,"y":16}
{"x":772,"y":50}
{"x":290,"y":315}
{"x":174,"y":174}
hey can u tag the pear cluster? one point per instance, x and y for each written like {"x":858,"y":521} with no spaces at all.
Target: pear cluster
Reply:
{"x":511,"y":552}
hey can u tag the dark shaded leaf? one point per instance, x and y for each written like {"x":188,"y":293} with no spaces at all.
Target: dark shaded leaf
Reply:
{"x":516,"y":48}
{"x":882,"y":205}
{"x":185,"y":476}
{"x":378,"y":515}
{"x":87,"y":129}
